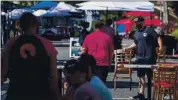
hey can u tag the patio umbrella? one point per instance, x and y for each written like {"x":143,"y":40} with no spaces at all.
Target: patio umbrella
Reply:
{"x":139,"y":13}
{"x":152,"y":22}
{"x":125,"y":25}
{"x":125,"y":21}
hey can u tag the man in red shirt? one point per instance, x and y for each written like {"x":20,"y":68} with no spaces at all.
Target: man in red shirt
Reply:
{"x":100,"y":46}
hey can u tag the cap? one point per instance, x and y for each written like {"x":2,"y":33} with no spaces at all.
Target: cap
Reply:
{"x":139,"y":19}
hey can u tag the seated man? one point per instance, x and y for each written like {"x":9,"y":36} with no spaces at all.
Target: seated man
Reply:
{"x":95,"y":82}
{"x":77,"y":76}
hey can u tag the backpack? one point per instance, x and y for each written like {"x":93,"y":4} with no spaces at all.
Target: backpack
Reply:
{"x":29,"y":77}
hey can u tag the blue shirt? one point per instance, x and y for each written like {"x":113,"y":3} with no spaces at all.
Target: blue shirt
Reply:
{"x":100,"y":88}
{"x":146,"y":43}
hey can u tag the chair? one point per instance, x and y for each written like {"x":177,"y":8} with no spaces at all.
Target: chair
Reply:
{"x":177,"y":83}
{"x":164,"y":83}
{"x":161,"y":55}
{"x":120,"y":59}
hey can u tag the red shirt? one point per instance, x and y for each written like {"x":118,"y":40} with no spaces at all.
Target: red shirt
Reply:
{"x":100,"y":46}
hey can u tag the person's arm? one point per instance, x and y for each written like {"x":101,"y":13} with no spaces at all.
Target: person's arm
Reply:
{"x":159,"y":39}
{"x":54,"y":78}
{"x":132,"y":46}
{"x":160,"y":43}
{"x":111,"y":49}
{"x":52,"y":52}
{"x":84,"y":46}
{"x":5,"y":55}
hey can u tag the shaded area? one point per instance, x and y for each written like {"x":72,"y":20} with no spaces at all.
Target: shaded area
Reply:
{"x":122,"y":84}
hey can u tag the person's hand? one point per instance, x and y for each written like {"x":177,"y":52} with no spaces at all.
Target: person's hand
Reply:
{"x":126,"y":49}
{"x":3,"y":80}
{"x":160,"y":50}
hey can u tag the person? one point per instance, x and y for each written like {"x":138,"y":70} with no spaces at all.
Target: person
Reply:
{"x":84,"y":32}
{"x":29,"y":61}
{"x":90,"y":62}
{"x":145,"y":41}
{"x":77,"y":76}
{"x":170,"y":43}
{"x":108,"y":29}
{"x":70,"y":89}
{"x":100,"y":48}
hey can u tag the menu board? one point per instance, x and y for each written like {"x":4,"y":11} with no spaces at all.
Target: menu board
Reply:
{"x":75,"y":48}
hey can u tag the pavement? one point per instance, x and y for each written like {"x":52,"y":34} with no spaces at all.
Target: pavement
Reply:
{"x":121,"y":93}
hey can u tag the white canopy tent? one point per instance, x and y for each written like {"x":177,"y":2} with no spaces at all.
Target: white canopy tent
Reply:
{"x":64,"y":7}
{"x":39,"y":12}
{"x":16,"y":13}
{"x":119,"y":6}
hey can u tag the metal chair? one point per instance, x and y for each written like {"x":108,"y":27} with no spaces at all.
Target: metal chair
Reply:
{"x":120,"y":59}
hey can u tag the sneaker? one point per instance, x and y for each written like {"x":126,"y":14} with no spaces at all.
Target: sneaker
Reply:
{"x":139,"y":97}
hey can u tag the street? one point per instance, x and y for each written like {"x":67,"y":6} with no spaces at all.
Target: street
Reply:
{"x":121,"y":93}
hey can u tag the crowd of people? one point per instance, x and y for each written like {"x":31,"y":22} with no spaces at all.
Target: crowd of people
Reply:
{"x":29,"y":61}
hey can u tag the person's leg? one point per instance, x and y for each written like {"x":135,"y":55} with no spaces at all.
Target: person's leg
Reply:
{"x":141,"y":76}
{"x":105,"y":73}
{"x":142,"y":85}
{"x":102,"y":72}
{"x":99,"y":71}
{"x":149,"y":85}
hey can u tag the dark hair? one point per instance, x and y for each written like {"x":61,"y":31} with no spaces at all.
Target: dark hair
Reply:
{"x":139,"y":19}
{"x":75,"y":65}
{"x":109,"y":22}
{"x":85,"y":24}
{"x":88,"y":60}
{"x":99,"y":24}
{"x":70,"y":66}
{"x":27,"y":20}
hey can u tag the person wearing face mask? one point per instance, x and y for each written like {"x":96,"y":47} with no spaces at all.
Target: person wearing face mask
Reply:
{"x":145,"y":40}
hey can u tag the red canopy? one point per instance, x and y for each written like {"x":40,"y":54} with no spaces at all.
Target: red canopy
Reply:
{"x":139,"y":13}
{"x":153,"y":22}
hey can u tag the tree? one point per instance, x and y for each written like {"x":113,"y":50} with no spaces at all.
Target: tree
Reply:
{"x":27,"y":3}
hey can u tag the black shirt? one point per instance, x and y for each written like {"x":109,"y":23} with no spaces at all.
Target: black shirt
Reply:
{"x":146,"y":43}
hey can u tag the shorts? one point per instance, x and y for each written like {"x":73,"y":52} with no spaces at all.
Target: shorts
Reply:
{"x":102,"y":72}
{"x":141,"y":72}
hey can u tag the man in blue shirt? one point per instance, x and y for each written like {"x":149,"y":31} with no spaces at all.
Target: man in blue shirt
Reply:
{"x":90,"y":62}
{"x":145,"y":40}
